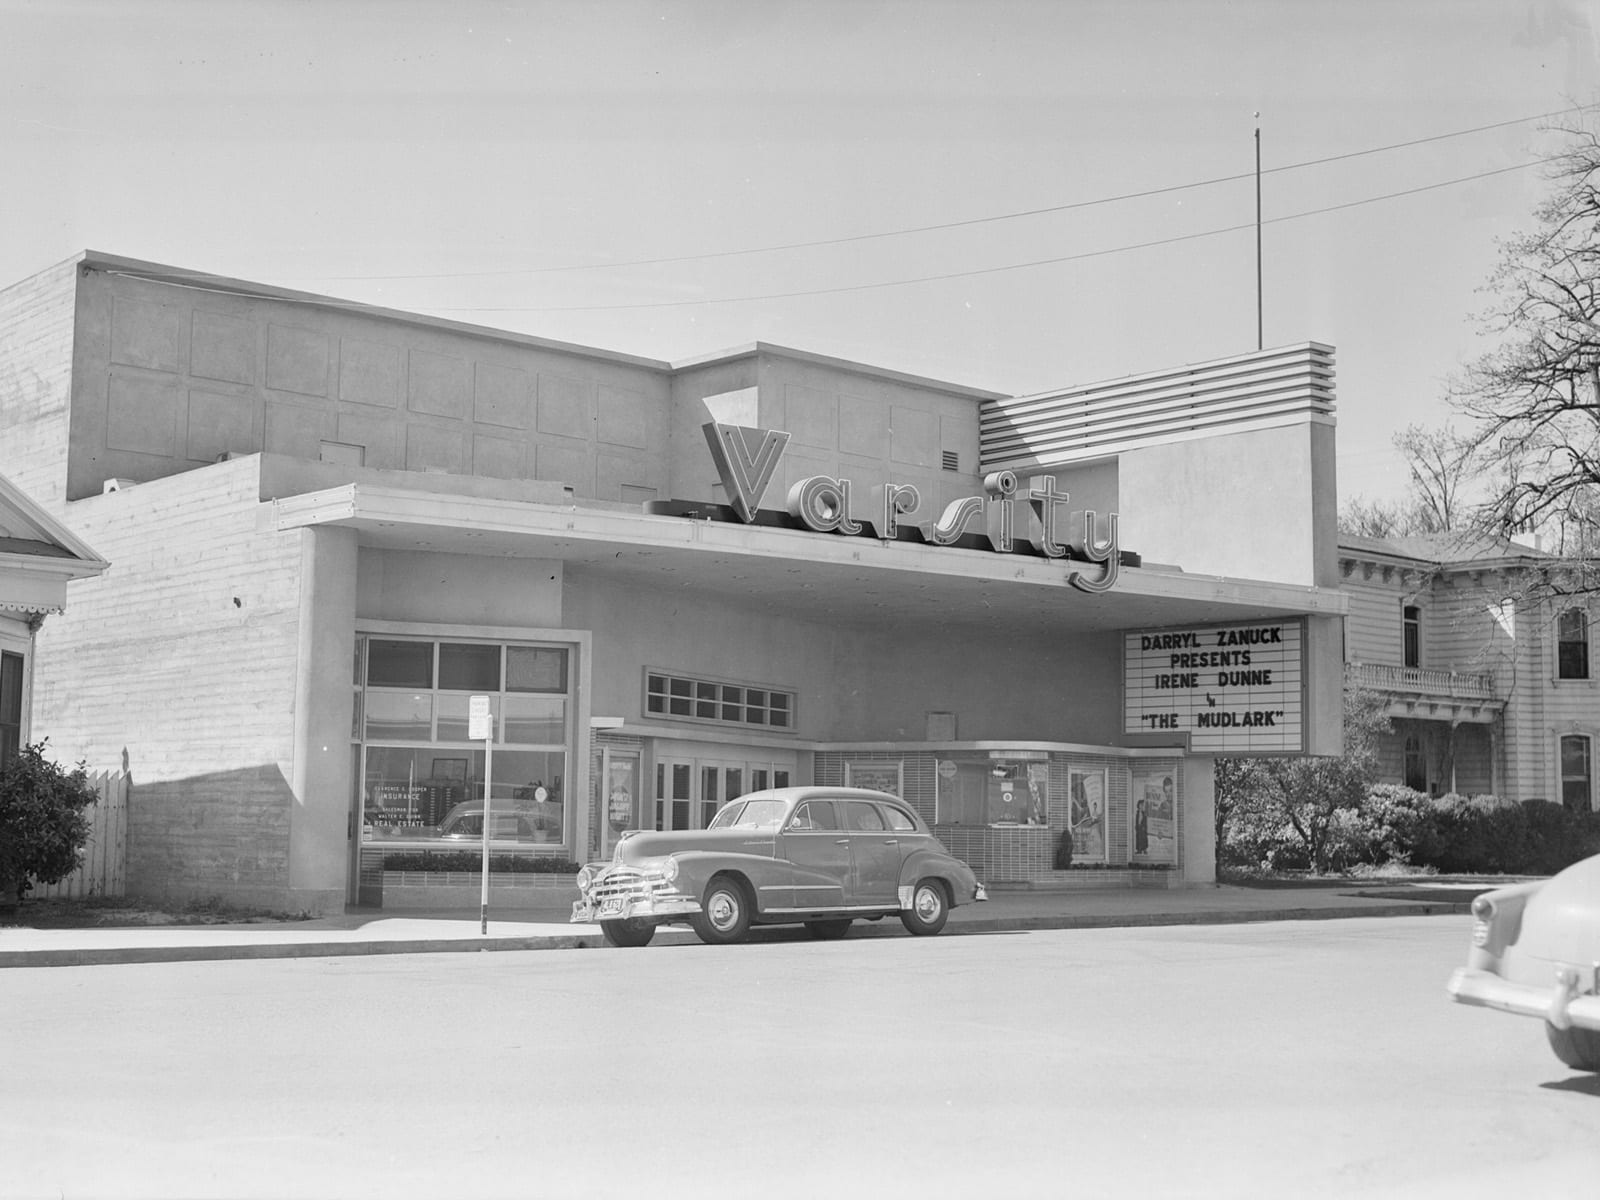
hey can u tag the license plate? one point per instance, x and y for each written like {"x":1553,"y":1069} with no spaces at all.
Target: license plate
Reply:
{"x":610,"y":908}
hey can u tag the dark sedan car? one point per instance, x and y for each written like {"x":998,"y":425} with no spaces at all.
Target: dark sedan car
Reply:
{"x":816,"y":856}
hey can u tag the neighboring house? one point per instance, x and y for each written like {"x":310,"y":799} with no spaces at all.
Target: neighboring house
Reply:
{"x":1491,"y":684}
{"x":38,"y":558}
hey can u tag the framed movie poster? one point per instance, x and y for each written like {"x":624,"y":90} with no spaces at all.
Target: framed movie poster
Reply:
{"x":1086,"y":813}
{"x":1153,"y":808}
{"x":879,"y":776}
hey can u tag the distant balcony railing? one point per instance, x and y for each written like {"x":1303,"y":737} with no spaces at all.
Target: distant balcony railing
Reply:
{"x":1417,"y":681}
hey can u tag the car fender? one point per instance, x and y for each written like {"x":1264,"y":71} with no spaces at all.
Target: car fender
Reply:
{"x":929,"y":864}
{"x":696,"y":868}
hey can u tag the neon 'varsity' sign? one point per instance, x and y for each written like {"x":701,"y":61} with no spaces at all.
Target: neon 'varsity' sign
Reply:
{"x":988,"y":522}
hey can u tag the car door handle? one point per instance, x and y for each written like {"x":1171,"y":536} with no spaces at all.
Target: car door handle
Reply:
{"x":841,"y":841}
{"x":891,"y":841}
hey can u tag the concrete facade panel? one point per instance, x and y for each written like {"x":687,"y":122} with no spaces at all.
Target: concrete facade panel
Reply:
{"x":502,"y":396}
{"x":219,"y":424}
{"x":142,"y":414}
{"x":566,"y":463}
{"x":432,"y":449}
{"x":499,"y":458}
{"x":298,"y":360}
{"x":369,"y":373}
{"x":564,"y":406}
{"x":628,"y":418}
{"x":509,"y":594}
{"x":144,"y":334}
{"x":378,"y":436}
{"x":914,"y":436}
{"x":439,"y":385}
{"x":864,"y":428}
{"x":297,"y":430}
{"x":813,"y":416}
{"x":223,"y":347}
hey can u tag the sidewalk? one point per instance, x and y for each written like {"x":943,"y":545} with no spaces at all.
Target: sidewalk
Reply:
{"x":370,"y":931}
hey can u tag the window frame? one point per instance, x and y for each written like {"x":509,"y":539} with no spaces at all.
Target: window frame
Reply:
{"x":1587,"y":778}
{"x":1411,"y":635}
{"x":1579,"y":659}
{"x":13,"y":732}
{"x":698,"y":692}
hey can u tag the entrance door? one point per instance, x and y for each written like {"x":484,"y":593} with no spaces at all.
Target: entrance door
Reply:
{"x":674,"y":794}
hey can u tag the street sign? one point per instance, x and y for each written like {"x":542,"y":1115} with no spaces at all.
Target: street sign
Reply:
{"x":478,"y":721}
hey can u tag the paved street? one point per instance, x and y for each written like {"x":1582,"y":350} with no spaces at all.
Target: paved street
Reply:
{"x":1306,"y":1058}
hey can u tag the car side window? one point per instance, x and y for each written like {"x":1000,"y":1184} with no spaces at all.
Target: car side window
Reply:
{"x":899,"y":819}
{"x":862,"y":817}
{"x":815,"y":814}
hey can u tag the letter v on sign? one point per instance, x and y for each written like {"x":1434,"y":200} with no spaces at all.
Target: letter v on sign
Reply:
{"x":745,"y":476}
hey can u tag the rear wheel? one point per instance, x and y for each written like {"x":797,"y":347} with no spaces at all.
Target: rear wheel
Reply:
{"x":629,"y":933}
{"x":930,"y":908}
{"x":828,"y":931}
{"x":1578,"y":1048}
{"x":724,"y":914}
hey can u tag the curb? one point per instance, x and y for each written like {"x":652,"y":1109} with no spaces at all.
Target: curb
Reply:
{"x":116,"y":956}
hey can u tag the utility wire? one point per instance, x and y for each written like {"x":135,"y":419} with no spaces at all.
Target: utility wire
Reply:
{"x":971,"y":221}
{"x":196,"y":282}
{"x":1038,"y":262}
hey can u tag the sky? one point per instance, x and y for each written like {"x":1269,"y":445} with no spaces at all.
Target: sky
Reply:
{"x":1015,"y":195}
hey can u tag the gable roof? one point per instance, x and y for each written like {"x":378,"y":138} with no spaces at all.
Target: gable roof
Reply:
{"x":38,"y":555}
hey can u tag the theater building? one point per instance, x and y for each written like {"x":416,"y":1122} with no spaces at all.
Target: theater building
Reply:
{"x":334,"y":529}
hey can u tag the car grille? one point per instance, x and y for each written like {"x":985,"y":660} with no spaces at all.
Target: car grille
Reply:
{"x":630,"y":882}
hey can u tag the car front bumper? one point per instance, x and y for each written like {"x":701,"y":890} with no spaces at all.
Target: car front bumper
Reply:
{"x":1570,"y":1001}
{"x":623,"y":908}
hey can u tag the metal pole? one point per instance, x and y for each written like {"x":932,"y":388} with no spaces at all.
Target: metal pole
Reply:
{"x":488,"y":772}
{"x":1259,"y":342}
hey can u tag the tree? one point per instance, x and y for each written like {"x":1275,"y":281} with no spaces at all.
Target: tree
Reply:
{"x":1534,"y":400}
{"x":1306,"y":795}
{"x":43,"y":826}
{"x":1439,"y":462}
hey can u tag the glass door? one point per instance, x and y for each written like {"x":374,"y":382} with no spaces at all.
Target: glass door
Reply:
{"x":674,"y":794}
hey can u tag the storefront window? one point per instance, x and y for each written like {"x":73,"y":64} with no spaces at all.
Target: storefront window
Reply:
{"x":1155,"y":816}
{"x":422,"y":778}
{"x":1086,"y":813}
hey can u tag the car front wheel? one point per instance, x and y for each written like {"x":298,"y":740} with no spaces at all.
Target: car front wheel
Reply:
{"x":724,"y":914}
{"x":929,"y":910}
{"x":1578,"y":1048}
{"x":629,"y":933}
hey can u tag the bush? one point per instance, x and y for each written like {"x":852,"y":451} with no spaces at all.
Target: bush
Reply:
{"x":42,"y":824}
{"x":472,"y":861}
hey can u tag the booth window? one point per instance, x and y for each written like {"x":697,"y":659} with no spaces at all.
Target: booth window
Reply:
{"x":686,"y":698}
{"x":1575,"y":790}
{"x":1411,"y":622}
{"x":1572,"y":645}
{"x":421,"y":776}
{"x":10,"y":704}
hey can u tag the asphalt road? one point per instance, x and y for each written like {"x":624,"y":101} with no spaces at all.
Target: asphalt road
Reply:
{"x":1295,"y":1058}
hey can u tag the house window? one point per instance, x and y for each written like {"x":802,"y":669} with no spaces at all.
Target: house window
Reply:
{"x":1572,"y":645}
{"x":1416,"y":766}
{"x":10,"y":704}
{"x":1575,"y":791}
{"x":1412,"y":622}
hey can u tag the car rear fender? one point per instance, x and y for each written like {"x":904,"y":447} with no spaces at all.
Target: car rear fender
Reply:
{"x":959,"y":881}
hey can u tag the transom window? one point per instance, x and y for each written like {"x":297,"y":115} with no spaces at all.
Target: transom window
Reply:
{"x":1572,"y":645}
{"x":1575,"y":789}
{"x":690,"y":699}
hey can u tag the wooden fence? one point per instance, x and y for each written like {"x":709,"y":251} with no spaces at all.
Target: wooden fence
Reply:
{"x":103,"y":870}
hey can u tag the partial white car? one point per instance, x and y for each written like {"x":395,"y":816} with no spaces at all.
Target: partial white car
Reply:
{"x":1536,"y":953}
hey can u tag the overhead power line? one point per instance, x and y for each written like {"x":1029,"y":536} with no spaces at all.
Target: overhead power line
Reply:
{"x":818,"y":243}
{"x":977,"y":271}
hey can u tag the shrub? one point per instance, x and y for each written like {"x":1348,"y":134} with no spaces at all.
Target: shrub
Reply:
{"x":472,"y":861}
{"x":42,"y":824}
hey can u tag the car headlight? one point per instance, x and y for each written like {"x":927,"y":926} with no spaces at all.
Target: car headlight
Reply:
{"x":669,"y":869}
{"x":585,"y":878}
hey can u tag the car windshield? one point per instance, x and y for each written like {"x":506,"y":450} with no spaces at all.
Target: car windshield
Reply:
{"x":754,"y":814}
